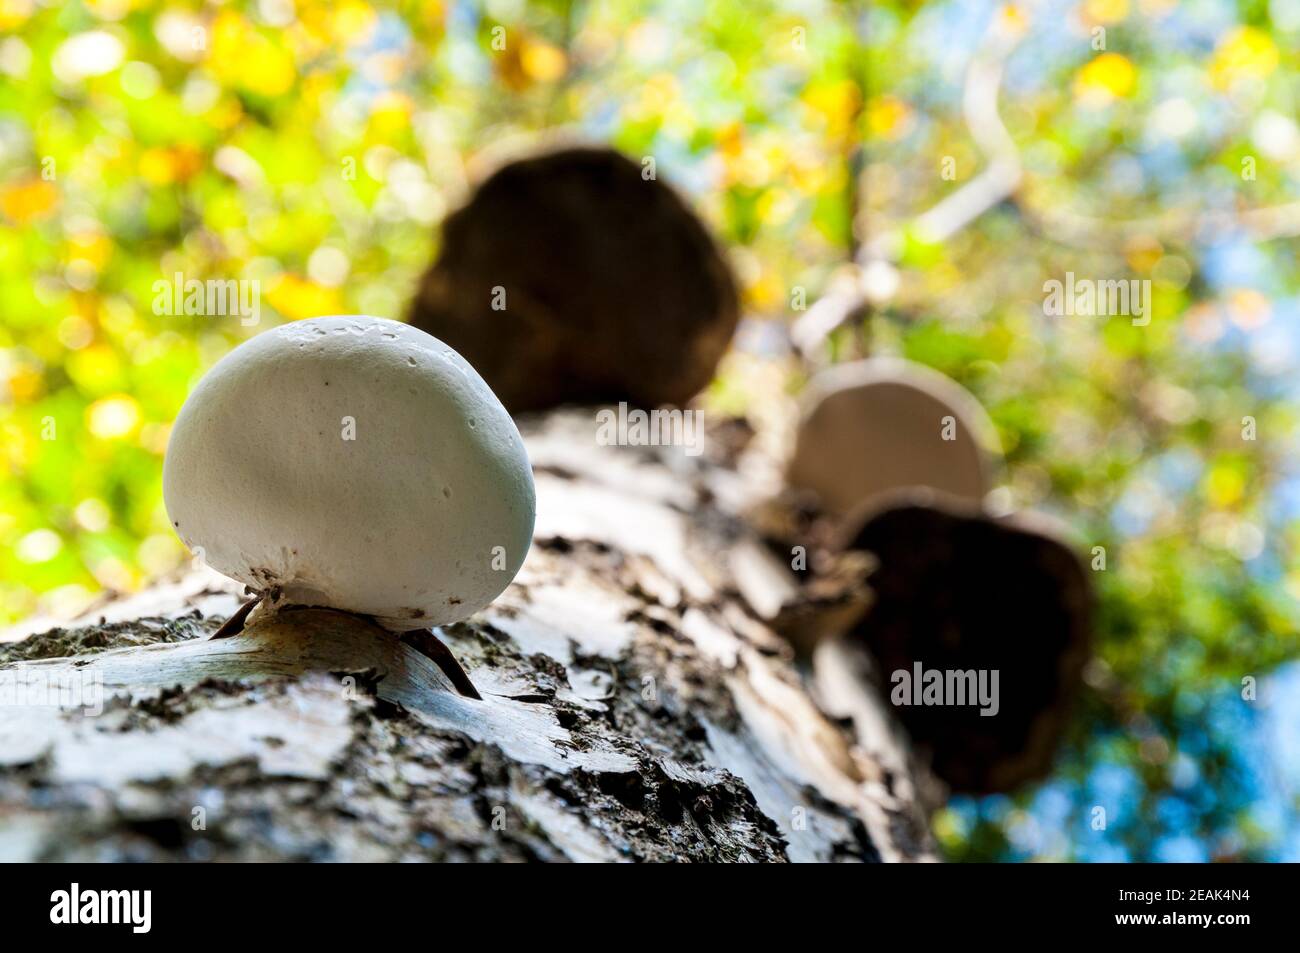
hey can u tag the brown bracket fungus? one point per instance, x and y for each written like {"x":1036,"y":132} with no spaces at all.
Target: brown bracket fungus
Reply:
{"x":357,"y":464}
{"x":576,"y":276}
{"x":883,"y":424}
{"x":957,"y":592}
{"x":899,"y":460}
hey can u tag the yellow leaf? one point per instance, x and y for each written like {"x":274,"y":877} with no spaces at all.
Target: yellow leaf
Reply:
{"x":227,"y":114}
{"x":26,"y":384}
{"x":1105,"y":78}
{"x":1224,"y":485}
{"x":765,"y":292}
{"x":390,"y":113}
{"x":95,"y":369}
{"x":509,"y":64}
{"x":837,"y":103}
{"x":887,"y":117}
{"x":658,"y":94}
{"x":229,"y":31}
{"x":1105,"y":11}
{"x":296,"y":297}
{"x":1245,"y":53}
{"x":13,"y":13}
{"x":434,"y":13}
{"x":1014,"y":22}
{"x":543,"y":62}
{"x":352,"y":22}
{"x":245,"y":58}
{"x":90,"y":246}
{"x":808,"y":174}
{"x":163,"y":166}
{"x":750,"y":167}
{"x":267,"y":69}
{"x":731,"y":139}
{"x":29,"y":200}
{"x":1142,"y":252}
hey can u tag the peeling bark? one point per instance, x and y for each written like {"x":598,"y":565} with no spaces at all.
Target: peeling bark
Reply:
{"x":637,"y":705}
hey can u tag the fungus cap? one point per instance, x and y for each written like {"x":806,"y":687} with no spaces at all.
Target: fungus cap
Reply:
{"x":877,"y":426}
{"x":357,"y":463}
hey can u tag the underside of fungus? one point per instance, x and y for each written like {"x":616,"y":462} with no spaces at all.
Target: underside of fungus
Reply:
{"x":883,"y":424}
{"x":956,"y":590}
{"x":423,"y":641}
{"x":578,"y":276}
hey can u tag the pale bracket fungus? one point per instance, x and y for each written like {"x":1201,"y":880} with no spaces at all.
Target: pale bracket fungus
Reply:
{"x":881,"y":425}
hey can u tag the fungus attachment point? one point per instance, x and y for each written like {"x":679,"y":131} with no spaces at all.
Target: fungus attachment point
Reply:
{"x":235,"y":624}
{"x":395,"y":489}
{"x":432,"y":648}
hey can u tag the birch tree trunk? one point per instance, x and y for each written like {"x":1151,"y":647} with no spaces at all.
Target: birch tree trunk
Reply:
{"x":637,"y":705}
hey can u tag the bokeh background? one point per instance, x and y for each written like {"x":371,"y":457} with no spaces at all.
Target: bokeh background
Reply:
{"x":315,"y":147}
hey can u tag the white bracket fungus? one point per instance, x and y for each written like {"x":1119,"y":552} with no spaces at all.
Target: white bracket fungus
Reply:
{"x":355,"y":463}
